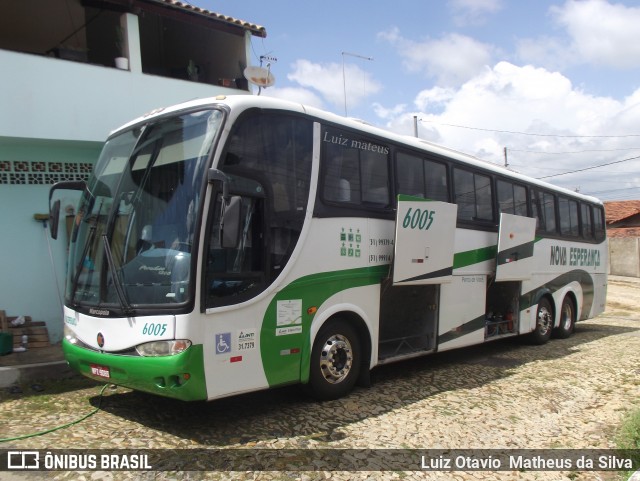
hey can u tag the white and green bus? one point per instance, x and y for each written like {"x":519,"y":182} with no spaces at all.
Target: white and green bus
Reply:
{"x":234,"y":244}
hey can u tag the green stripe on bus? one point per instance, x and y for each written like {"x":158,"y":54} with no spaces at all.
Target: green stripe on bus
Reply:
{"x":286,"y":350}
{"x":474,"y":256}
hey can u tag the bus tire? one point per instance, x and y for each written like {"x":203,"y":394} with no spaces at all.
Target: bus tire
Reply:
{"x":335,"y":361}
{"x":544,"y":322}
{"x":567,"y":319}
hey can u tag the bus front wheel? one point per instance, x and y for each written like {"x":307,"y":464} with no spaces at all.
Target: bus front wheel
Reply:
{"x":544,"y":322}
{"x":335,"y":361}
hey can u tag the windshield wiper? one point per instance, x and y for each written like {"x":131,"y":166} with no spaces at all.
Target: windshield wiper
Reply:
{"x":122,"y":299}
{"x":92,"y":232}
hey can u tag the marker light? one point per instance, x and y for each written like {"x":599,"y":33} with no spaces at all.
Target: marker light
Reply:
{"x":163,"y":348}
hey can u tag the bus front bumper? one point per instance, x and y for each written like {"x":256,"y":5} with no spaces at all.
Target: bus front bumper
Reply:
{"x":180,"y":376}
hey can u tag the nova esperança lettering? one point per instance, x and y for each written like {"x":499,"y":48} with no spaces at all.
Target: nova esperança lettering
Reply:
{"x":578,"y":256}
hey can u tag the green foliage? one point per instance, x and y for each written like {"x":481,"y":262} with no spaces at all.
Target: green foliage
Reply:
{"x":628,"y":436}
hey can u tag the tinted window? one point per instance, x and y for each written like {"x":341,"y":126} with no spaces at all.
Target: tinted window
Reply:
{"x":421,"y":177}
{"x":268,"y":170}
{"x":520,"y":200}
{"x":543,"y":209}
{"x":473,"y":195}
{"x":355,"y":170}
{"x":587,"y":223}
{"x":512,"y":198}
{"x":598,"y":223}
{"x":568,"y":210}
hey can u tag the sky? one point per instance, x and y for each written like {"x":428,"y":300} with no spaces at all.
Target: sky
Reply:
{"x":554,"y":82}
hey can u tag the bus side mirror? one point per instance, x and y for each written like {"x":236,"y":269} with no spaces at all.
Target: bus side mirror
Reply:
{"x":54,"y":209}
{"x":230,"y":222}
{"x":214,"y":175}
{"x":54,"y":218}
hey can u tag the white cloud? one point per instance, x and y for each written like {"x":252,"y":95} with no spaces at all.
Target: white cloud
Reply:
{"x":328,"y":80}
{"x":602,"y":33}
{"x":597,"y":33}
{"x":388,"y":113}
{"x":551,"y":52}
{"x":436,"y":97}
{"x":473,"y":12}
{"x":486,"y":113}
{"x":451,"y":59}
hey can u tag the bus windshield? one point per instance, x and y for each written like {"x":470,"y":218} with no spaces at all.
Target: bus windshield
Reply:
{"x":133,"y":233}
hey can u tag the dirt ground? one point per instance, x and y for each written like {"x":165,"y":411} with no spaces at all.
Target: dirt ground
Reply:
{"x":623,"y":296}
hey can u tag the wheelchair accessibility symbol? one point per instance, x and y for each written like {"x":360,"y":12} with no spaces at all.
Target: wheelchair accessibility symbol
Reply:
{"x":223,"y":343}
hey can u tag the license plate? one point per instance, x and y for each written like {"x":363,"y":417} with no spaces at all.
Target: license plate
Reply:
{"x":101,"y":371}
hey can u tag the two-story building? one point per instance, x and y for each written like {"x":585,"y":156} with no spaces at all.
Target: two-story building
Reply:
{"x":73,"y":70}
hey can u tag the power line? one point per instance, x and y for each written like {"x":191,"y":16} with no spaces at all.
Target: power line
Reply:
{"x":532,"y":134}
{"x":589,"y":168}
{"x":570,"y":152}
{"x":616,"y":190}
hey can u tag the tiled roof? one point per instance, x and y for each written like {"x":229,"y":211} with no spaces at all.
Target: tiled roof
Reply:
{"x":615,"y":211}
{"x":257,"y":30}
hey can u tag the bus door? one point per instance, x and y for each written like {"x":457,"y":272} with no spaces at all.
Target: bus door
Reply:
{"x":423,"y":259}
{"x":514,"y":264}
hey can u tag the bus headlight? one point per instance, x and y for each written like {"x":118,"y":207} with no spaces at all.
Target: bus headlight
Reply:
{"x":69,"y":335}
{"x":163,"y":348}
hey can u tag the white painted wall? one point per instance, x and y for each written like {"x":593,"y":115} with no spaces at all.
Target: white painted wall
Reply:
{"x":50,"y":98}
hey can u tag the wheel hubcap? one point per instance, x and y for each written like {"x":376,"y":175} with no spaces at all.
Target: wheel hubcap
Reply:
{"x":544,"y":320}
{"x":336,"y":359}
{"x":567,"y":317}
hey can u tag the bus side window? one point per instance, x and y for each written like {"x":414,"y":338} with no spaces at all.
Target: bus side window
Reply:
{"x":410,"y":175}
{"x":520,"y":200}
{"x":586,"y":221}
{"x":355,"y":171}
{"x":504,"y":192}
{"x":536,"y":209}
{"x":473,"y":195}
{"x":550,"y":212}
{"x":435,"y":180}
{"x":598,"y":222}
{"x":512,"y":198}
{"x":543,"y":208}
{"x":569,"y":224}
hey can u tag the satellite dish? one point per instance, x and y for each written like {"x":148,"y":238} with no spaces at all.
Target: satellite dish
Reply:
{"x":259,"y":76}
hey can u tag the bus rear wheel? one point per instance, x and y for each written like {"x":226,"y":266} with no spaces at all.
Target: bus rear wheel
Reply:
{"x":335,"y":361}
{"x":567,"y":319}
{"x":544,"y":322}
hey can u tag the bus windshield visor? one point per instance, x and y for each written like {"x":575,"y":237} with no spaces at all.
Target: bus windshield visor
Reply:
{"x":132,"y":235}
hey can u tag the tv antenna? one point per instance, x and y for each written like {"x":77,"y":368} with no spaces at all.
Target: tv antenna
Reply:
{"x":261,"y":76}
{"x":344,"y":81}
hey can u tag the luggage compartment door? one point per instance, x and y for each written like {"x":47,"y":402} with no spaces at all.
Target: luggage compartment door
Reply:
{"x":424,"y":241}
{"x":515,"y":248}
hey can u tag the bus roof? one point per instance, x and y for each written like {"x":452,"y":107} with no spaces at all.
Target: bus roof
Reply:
{"x":242,"y":102}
